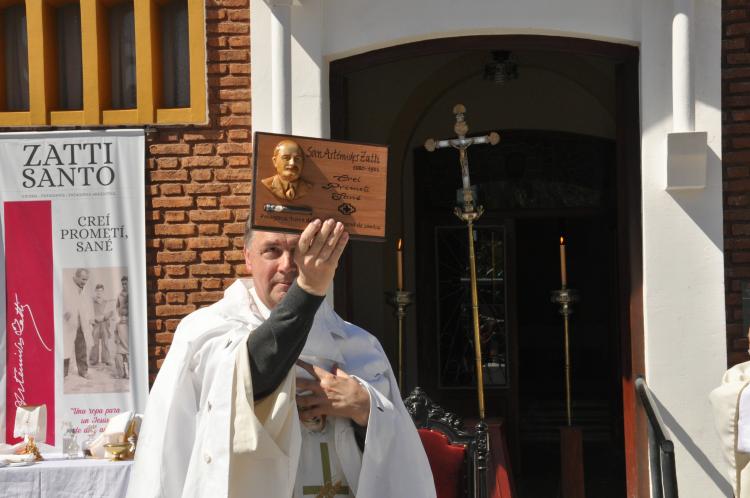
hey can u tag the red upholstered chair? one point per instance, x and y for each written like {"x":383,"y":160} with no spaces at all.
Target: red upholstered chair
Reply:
{"x":458,"y":459}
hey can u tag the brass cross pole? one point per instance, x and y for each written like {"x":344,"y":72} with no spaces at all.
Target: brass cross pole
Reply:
{"x":469,"y":212}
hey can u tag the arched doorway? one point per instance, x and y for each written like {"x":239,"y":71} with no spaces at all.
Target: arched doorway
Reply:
{"x":568,"y":165}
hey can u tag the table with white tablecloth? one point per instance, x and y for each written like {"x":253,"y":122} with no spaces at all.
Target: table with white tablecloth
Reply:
{"x":61,"y":478}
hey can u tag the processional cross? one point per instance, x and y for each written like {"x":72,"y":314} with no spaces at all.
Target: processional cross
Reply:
{"x":329,"y":489}
{"x":469,"y":212}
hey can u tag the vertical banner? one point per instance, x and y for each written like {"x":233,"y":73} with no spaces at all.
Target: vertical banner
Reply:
{"x":30,"y":332}
{"x":72,"y":278}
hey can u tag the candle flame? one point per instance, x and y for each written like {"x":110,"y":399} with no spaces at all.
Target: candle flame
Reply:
{"x":562,"y":240}
{"x":400,"y":244}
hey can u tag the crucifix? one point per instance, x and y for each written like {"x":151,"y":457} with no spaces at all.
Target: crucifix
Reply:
{"x":329,"y":489}
{"x":468,"y":212}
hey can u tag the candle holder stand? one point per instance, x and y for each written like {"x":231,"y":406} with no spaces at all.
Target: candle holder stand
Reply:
{"x":400,"y":300}
{"x":571,"y":438}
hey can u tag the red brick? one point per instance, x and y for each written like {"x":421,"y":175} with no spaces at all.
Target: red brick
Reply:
{"x":201,"y":215}
{"x":172,"y":202}
{"x":209,"y":229}
{"x":167,"y":162}
{"x":234,"y":94}
{"x":175,"y":270}
{"x":738,"y":200}
{"x":738,"y":171}
{"x":203,"y":269}
{"x":172,"y":189}
{"x":229,"y":175}
{"x":169,"y":149}
{"x":174,"y":216}
{"x":236,"y":161}
{"x":239,"y":41}
{"x":738,"y":58}
{"x":168,"y":175}
{"x":205,"y":297}
{"x":234,"y":228}
{"x":231,"y":81}
{"x":739,"y":87}
{"x":733,"y":15}
{"x":245,"y":120}
{"x":736,"y":101}
{"x":201,"y":175}
{"x":203,"y":188}
{"x":733,"y":44}
{"x":217,"y":42}
{"x":176,"y":257}
{"x":234,"y":200}
{"x":211,"y":283}
{"x":227,"y":3}
{"x":734,"y":157}
{"x":216,"y":14}
{"x":202,"y":162}
{"x":741,"y":229}
{"x":244,"y":188}
{"x":172,"y":310}
{"x":210,"y":256}
{"x":208,"y":243}
{"x":738,"y":29}
{"x":238,"y":69}
{"x":216,"y":68}
{"x":164,"y":337}
{"x":239,"y":15}
{"x":239,"y":55}
{"x":178,"y":284}
{"x":203,"y":149}
{"x":175,"y":298}
{"x":228,"y":28}
{"x":174,"y":244}
{"x":203,"y":136}
{"x":234,"y":148}
{"x":174,"y":229}
{"x":234,"y":256}
{"x":206,"y":202}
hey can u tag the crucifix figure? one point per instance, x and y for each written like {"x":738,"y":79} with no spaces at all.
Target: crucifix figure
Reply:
{"x":329,"y":489}
{"x":469,"y":212}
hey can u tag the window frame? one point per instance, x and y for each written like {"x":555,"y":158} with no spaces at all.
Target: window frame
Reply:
{"x":43,"y":70}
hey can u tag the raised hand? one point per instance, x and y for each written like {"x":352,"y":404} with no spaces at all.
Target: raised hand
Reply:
{"x":332,"y":393}
{"x":317,"y":255}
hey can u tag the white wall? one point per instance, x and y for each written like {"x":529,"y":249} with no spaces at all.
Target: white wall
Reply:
{"x":682,"y":232}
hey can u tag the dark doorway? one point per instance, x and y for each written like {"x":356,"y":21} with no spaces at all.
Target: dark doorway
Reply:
{"x":568,"y":165}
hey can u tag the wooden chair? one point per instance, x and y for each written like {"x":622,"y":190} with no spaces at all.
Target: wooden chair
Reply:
{"x":457,"y":458}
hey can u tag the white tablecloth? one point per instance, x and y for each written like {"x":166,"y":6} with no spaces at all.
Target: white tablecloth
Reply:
{"x":60,"y":478}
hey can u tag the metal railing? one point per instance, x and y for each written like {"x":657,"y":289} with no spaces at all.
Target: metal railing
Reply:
{"x":660,"y":448}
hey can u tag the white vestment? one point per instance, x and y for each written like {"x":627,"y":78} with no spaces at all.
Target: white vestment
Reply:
{"x":203,"y":436}
{"x":731,"y":417}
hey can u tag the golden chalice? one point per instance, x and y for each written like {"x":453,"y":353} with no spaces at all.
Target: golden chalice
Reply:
{"x":117,"y":450}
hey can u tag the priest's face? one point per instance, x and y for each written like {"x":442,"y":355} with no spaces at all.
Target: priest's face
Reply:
{"x":270,"y":258}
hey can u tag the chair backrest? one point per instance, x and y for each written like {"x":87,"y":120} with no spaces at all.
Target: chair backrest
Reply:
{"x":457,"y":458}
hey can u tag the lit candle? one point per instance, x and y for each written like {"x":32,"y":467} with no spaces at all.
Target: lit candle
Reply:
{"x":563,"y":265}
{"x":400,"y":265}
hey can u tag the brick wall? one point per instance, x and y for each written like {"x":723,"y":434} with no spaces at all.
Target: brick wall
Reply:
{"x":735,"y":70}
{"x":197,"y":187}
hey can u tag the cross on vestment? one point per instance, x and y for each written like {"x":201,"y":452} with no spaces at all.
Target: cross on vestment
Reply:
{"x":329,"y":489}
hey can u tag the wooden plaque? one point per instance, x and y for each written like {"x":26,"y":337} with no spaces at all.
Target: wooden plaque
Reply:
{"x":341,"y":180}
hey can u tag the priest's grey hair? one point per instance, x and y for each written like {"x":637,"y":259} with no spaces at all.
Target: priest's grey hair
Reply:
{"x":248,"y":233}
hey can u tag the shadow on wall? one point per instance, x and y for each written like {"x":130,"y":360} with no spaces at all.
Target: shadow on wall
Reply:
{"x":705,"y":206}
{"x":700,"y":458}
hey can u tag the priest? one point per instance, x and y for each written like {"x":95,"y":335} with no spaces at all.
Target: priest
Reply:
{"x":231,"y":415}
